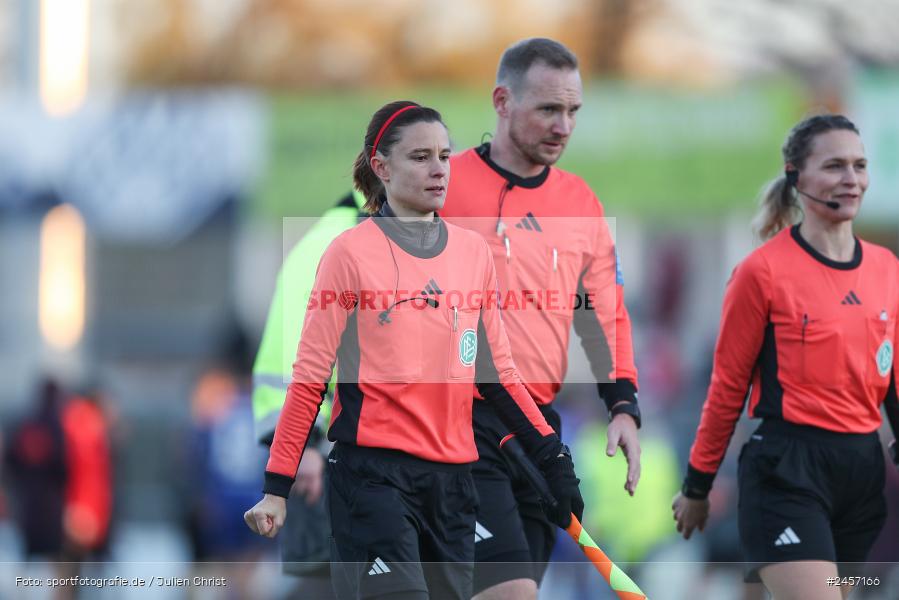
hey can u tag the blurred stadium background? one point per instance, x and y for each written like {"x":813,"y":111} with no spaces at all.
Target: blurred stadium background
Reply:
{"x":149,"y":150}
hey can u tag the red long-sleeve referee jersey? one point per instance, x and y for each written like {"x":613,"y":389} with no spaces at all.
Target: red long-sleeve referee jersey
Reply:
{"x":806,"y":339}
{"x":407,"y":328}
{"x":551,"y":244}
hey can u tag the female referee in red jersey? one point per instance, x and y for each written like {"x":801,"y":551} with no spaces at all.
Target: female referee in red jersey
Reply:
{"x":403,"y":303}
{"x":808,"y":331}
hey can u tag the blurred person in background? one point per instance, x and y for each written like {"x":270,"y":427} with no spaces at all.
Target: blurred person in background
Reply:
{"x":225,"y":462}
{"x":89,"y":486}
{"x":87,"y":516}
{"x":36,"y":472}
{"x":305,"y":548}
{"x":60,"y":463}
{"x":512,"y":180}
{"x":399,"y":476}
{"x":807,"y":332}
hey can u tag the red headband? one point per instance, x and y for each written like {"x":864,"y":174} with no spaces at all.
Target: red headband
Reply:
{"x":386,"y":124}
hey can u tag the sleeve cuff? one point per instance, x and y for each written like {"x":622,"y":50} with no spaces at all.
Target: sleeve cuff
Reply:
{"x":277,"y":484}
{"x":697,"y":484}
{"x":541,"y":448}
{"x":621,"y":398}
{"x":614,"y":392}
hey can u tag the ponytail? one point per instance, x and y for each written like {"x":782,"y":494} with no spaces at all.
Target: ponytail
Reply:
{"x":778,"y":209}
{"x":365,"y":180}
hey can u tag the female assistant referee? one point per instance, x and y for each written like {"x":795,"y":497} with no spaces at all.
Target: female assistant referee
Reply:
{"x":405,"y":303}
{"x":808,"y":330}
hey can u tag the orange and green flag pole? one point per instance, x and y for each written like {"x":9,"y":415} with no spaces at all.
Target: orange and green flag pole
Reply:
{"x":623,"y":586}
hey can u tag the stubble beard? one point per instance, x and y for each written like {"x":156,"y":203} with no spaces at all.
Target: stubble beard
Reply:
{"x":532,"y":152}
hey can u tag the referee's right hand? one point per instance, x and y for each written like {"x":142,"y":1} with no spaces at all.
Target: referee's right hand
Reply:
{"x":690,"y":514}
{"x":267,"y":517}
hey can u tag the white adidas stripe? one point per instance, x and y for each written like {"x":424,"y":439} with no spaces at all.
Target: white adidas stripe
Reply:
{"x":481,"y":533}
{"x":792,"y":535}
{"x":378,"y":567}
{"x":787,"y":538}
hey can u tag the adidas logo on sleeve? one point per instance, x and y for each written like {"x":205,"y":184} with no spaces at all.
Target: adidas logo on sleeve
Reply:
{"x":378,"y":567}
{"x":787,"y":538}
{"x":481,"y":533}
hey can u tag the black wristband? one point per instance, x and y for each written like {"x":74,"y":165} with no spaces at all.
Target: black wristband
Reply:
{"x":626,"y":408}
{"x":613,"y":392}
{"x":697,"y":484}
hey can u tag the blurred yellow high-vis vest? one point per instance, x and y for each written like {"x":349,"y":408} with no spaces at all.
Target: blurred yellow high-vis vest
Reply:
{"x":273,"y":367}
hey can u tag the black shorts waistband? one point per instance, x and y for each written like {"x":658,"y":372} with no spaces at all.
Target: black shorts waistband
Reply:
{"x":817,"y":435}
{"x":351,"y":451}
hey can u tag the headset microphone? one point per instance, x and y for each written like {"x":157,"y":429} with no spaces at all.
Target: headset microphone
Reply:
{"x":828,"y":203}
{"x":792,"y":176}
{"x":384,"y":316}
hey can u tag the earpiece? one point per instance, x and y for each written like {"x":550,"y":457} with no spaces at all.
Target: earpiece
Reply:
{"x":792,"y":176}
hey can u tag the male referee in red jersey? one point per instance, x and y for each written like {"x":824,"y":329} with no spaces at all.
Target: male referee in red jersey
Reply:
{"x":551,"y":245}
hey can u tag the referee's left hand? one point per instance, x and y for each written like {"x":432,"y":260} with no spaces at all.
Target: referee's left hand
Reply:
{"x":690,"y":514}
{"x":622,"y":432}
{"x":267,"y":517}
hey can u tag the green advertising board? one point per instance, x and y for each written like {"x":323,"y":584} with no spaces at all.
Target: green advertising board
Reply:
{"x":648,"y":151}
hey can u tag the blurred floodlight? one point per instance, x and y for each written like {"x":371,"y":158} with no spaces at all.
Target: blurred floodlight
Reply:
{"x":61,"y":292}
{"x":64,"y":34}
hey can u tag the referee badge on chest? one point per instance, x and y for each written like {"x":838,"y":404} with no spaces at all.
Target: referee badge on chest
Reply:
{"x":884,"y":358}
{"x":468,"y":347}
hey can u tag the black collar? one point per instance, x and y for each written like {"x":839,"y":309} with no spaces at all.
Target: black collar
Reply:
{"x":833,"y":264}
{"x":514,"y":180}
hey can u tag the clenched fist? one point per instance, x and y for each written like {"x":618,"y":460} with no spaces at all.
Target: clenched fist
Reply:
{"x":267,"y":517}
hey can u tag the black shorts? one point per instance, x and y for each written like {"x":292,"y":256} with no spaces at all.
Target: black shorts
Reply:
{"x":400,"y":524}
{"x":513,"y":537}
{"x":809,"y":494}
